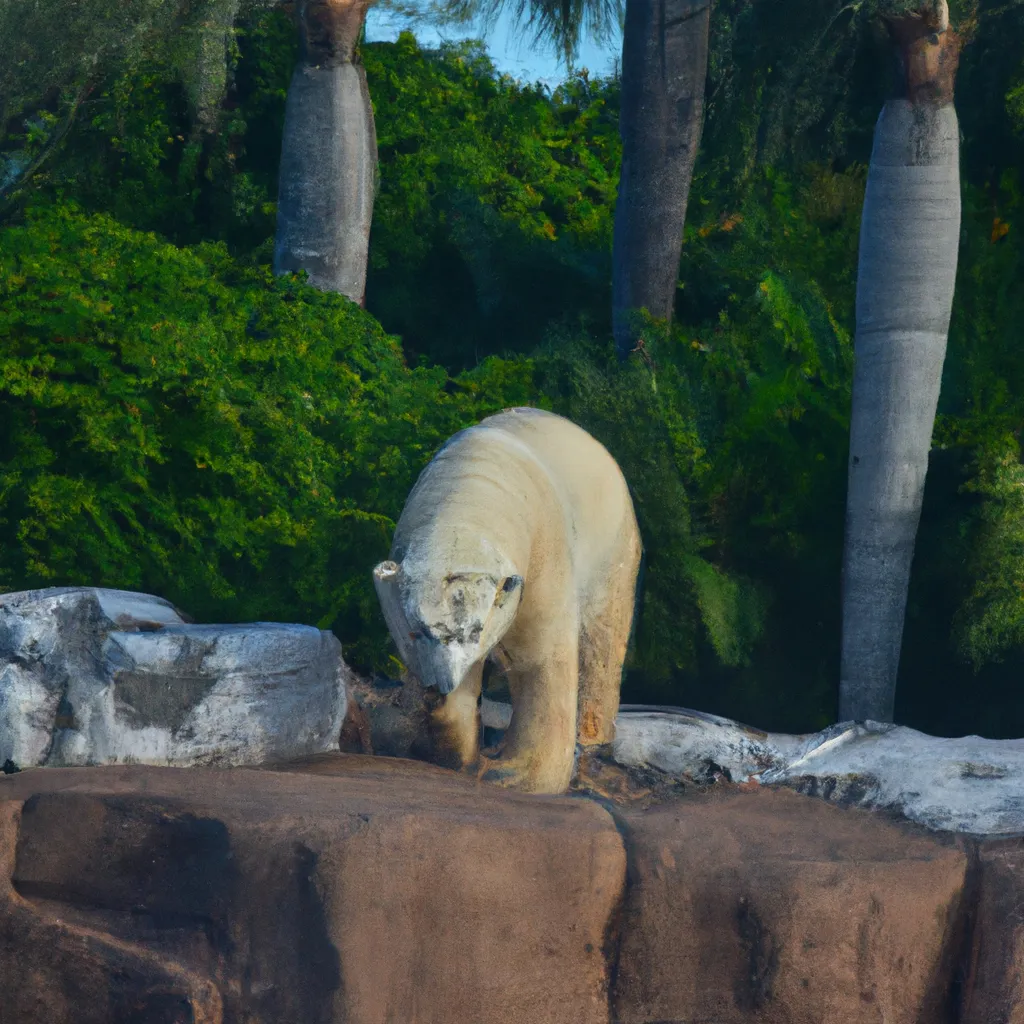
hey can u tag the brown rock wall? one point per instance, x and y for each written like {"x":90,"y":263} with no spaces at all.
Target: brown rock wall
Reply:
{"x":767,"y":906}
{"x":363,"y":890}
{"x":994,"y":976}
{"x":288,"y":897}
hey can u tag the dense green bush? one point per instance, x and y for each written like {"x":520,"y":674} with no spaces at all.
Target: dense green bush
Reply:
{"x":173,"y":422}
{"x":488,"y":189}
{"x":138,"y":150}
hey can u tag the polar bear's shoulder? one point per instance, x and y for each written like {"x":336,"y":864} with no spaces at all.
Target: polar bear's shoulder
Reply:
{"x":563,"y":446}
{"x":538,"y":428}
{"x":544,"y":452}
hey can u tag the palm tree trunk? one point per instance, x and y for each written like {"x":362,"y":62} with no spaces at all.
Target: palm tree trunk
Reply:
{"x":328,"y":153}
{"x":910,"y":232}
{"x":664,"y":65}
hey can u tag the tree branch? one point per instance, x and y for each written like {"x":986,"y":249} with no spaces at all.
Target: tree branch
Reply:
{"x":9,"y":192}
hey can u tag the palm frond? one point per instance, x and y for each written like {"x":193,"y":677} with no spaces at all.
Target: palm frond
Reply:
{"x":564,"y":23}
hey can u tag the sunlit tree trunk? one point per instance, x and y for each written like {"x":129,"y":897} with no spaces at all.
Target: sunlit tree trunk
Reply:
{"x":328,"y":153}
{"x":664,"y":64}
{"x":910,"y":232}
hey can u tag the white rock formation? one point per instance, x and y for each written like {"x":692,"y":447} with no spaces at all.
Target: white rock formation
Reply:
{"x":965,"y":784}
{"x":92,"y":676}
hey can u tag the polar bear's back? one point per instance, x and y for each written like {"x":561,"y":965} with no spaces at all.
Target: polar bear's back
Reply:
{"x":588,"y":481}
{"x":576,"y":462}
{"x":527,"y":486}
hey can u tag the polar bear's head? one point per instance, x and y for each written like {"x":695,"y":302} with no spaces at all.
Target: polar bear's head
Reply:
{"x":443,"y":625}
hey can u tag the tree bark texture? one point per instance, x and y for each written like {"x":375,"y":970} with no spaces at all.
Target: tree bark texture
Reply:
{"x":664,"y":65}
{"x":328,"y":154}
{"x":910,"y":233}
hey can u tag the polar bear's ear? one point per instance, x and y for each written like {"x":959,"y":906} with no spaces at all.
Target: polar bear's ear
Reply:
{"x":385,"y":572}
{"x":385,"y":582}
{"x":510,"y":586}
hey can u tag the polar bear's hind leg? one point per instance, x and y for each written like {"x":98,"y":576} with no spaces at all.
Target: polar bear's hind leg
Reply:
{"x":604,"y":637}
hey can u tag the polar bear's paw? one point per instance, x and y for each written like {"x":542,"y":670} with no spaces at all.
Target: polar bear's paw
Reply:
{"x":503,"y":772}
{"x":511,"y":773}
{"x":526,"y":776}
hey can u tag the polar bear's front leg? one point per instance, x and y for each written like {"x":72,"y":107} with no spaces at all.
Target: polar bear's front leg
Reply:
{"x":540,"y":744}
{"x":454,"y":721}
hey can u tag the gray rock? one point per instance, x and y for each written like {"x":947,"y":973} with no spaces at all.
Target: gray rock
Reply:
{"x":966,"y":784}
{"x":93,"y":676}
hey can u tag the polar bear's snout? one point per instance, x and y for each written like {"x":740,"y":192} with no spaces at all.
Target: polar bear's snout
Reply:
{"x":444,"y":666}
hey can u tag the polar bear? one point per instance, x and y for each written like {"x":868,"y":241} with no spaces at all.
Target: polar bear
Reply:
{"x":518,"y":542}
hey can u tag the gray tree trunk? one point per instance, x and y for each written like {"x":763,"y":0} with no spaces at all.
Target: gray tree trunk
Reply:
{"x":328,"y":154}
{"x":664,"y":65}
{"x":910,"y":233}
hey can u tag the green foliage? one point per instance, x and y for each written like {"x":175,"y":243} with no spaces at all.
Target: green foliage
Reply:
{"x":45,"y":46}
{"x":54,"y":53}
{"x":732,"y":432}
{"x":660,"y":457}
{"x":488,"y":190}
{"x":176,"y":423}
{"x":768,"y":354}
{"x":150,"y":142}
{"x":732,"y":611}
{"x":540,"y":163}
{"x":991,"y":620}
{"x":981,"y":414}
{"x":1015,"y":106}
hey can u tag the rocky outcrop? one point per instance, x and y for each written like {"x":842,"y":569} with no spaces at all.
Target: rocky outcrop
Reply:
{"x":93,"y":676}
{"x":367,"y":890}
{"x":689,"y":878}
{"x":964,"y":784}
{"x":358,"y":890}
{"x":994,"y":979}
{"x":770,"y":907}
